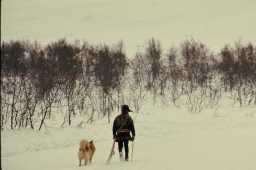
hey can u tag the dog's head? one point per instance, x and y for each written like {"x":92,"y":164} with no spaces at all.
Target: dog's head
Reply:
{"x":92,"y":146}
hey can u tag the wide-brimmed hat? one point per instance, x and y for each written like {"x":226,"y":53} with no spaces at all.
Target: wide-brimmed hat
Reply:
{"x":126,"y":108}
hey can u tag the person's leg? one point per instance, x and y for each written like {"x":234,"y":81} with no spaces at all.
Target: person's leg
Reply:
{"x":120,"y":148}
{"x":126,"y":147}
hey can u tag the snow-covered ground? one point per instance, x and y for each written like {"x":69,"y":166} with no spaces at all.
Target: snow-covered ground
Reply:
{"x":167,"y":138}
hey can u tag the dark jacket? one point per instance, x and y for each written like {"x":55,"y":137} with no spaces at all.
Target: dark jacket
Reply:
{"x":122,"y":126}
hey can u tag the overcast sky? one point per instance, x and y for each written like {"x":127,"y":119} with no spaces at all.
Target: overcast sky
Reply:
{"x":214,"y":22}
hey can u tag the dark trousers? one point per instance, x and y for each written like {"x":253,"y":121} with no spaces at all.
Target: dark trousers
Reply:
{"x":124,"y":143}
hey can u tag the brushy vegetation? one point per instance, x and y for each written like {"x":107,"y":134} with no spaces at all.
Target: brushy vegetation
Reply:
{"x":94,"y":80}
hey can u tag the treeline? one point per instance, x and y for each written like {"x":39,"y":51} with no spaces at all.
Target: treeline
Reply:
{"x":91,"y":80}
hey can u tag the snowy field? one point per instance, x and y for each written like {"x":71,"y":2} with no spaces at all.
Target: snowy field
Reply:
{"x":167,"y":139}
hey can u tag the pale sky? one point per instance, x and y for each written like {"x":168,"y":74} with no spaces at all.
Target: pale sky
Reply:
{"x":214,"y":22}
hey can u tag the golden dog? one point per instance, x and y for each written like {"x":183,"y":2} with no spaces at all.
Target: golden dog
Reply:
{"x":86,"y":151}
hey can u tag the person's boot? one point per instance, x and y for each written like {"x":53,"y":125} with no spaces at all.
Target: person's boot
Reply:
{"x":121,"y":156}
{"x":126,"y":157}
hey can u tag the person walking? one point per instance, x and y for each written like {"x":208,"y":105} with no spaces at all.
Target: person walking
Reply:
{"x":123,"y":127}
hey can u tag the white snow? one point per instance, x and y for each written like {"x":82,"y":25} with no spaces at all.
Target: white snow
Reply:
{"x":168,"y":138}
